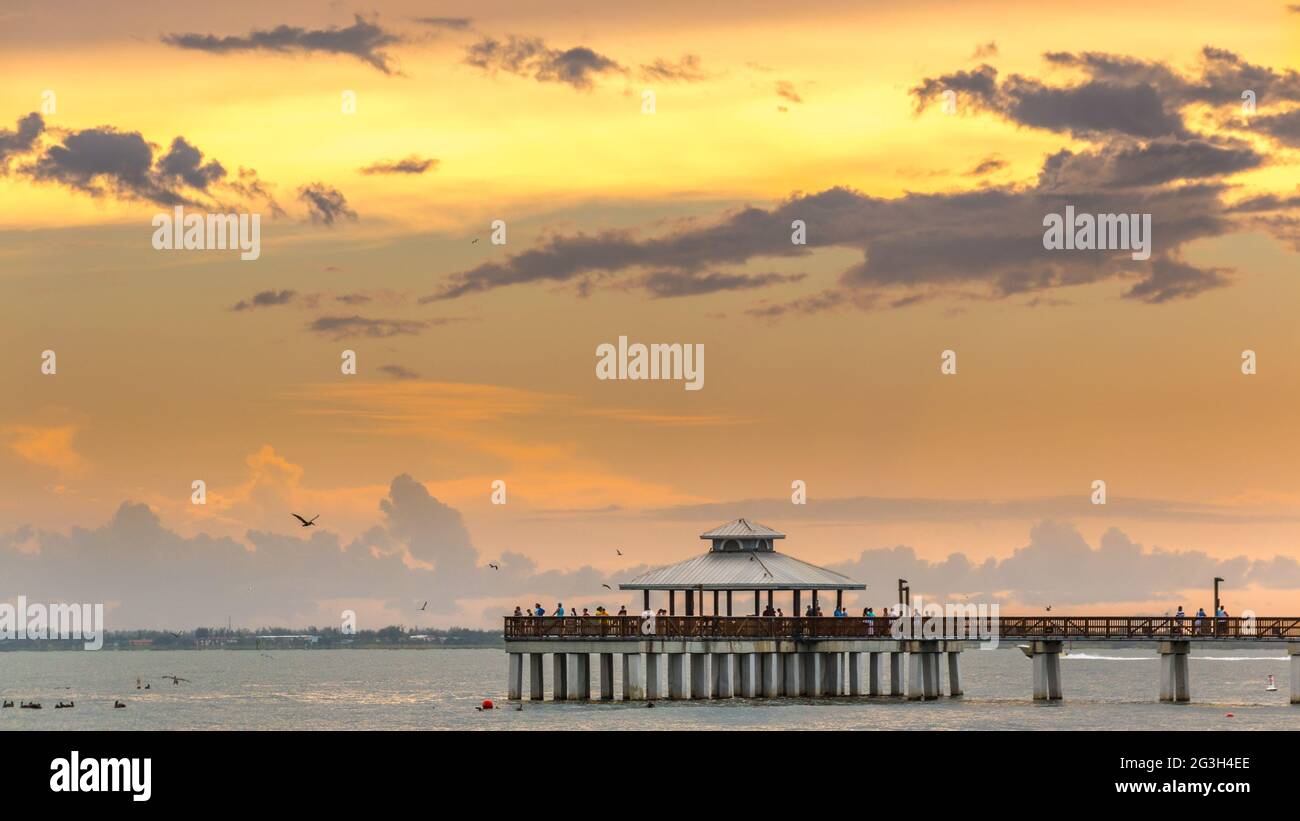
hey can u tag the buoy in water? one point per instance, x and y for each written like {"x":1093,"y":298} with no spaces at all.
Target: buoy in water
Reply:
{"x":487,"y":704}
{"x":1227,"y":715}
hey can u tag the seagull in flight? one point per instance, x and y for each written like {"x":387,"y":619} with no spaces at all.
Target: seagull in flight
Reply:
{"x":494,"y":565}
{"x":607,"y":587}
{"x":176,"y":679}
{"x":426,"y":604}
{"x":619,"y":552}
{"x":305,"y":522}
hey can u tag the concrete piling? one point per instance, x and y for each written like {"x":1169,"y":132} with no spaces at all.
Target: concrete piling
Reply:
{"x":677,"y":676}
{"x":560,"y":676}
{"x":580,"y":677}
{"x":723,"y":686}
{"x":895,"y":674}
{"x":954,"y":673}
{"x":1294,"y":650}
{"x":873,"y":673}
{"x":515,"y":677}
{"x":1174,"y":683}
{"x":1046,"y":658}
{"x":855,"y":674}
{"x":771,"y":675}
{"x":633,"y":677}
{"x":749,"y":672}
{"x":793,"y":674}
{"x":652,"y":677}
{"x":701,"y":681}
{"x":536,"y":686}
{"x":606,"y":676}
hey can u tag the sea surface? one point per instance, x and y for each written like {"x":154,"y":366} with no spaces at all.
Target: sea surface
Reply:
{"x":440,"y":689}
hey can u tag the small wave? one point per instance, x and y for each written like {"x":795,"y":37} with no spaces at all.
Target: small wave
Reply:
{"x":1239,"y":658}
{"x":1092,"y":657}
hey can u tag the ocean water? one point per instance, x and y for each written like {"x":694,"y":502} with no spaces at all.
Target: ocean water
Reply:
{"x":439,"y":689}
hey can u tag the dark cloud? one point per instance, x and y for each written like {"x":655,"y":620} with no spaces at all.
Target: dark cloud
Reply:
{"x":354,"y":299}
{"x":1086,"y":109}
{"x":1284,"y":127}
{"x":987,"y":166}
{"x":685,"y":70}
{"x":341,"y":327}
{"x":185,"y":162}
{"x":786,"y":90}
{"x":398,"y":372}
{"x":97,"y":161}
{"x":1140,"y":158}
{"x":453,"y":23}
{"x":325,"y":205}
{"x":1124,"y":163}
{"x":105,"y":161}
{"x":264,"y":299}
{"x":21,"y":139}
{"x":364,"y":40}
{"x":663,"y":284}
{"x":530,"y":57}
{"x":1172,"y":279}
{"x":410,"y":165}
{"x":985,"y":50}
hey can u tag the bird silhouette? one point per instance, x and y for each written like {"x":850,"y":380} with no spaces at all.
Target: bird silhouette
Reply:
{"x":1049,"y":608}
{"x":494,"y":565}
{"x":607,"y":587}
{"x":426,"y":604}
{"x":176,"y":679}
{"x":619,"y":552}
{"x":305,"y":522}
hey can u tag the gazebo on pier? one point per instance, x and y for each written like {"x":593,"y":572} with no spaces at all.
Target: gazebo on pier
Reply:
{"x":741,"y":559}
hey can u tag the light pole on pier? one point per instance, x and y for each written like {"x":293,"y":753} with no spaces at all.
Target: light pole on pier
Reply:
{"x":904,"y":596}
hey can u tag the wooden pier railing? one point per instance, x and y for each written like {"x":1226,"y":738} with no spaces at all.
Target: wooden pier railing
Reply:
{"x":1075,"y":628}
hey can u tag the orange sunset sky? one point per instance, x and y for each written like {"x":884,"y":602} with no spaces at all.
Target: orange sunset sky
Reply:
{"x":476,"y":361}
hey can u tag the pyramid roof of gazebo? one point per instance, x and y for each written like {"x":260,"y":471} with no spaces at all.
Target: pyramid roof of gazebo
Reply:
{"x":742,"y":569}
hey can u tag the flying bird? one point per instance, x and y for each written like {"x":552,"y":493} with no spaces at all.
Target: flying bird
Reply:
{"x":607,"y":587}
{"x":1049,"y":608}
{"x":494,"y":565}
{"x":619,"y":552}
{"x":426,"y":604}
{"x":305,"y":522}
{"x":176,"y":679}
{"x":475,"y":240}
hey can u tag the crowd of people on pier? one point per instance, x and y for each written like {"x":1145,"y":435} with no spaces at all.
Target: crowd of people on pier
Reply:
{"x":812,"y":611}
{"x":1202,"y":623}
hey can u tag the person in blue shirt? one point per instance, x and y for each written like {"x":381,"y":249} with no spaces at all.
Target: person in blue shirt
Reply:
{"x":559,"y":609}
{"x":839,"y":614}
{"x":538,"y":610}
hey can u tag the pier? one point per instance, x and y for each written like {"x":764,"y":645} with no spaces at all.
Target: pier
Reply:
{"x":760,"y":655}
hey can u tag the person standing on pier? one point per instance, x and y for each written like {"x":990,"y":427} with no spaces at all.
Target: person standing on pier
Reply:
{"x":1178,"y":621}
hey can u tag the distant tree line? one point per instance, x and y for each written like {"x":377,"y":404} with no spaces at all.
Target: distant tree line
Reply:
{"x":202,"y":638}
